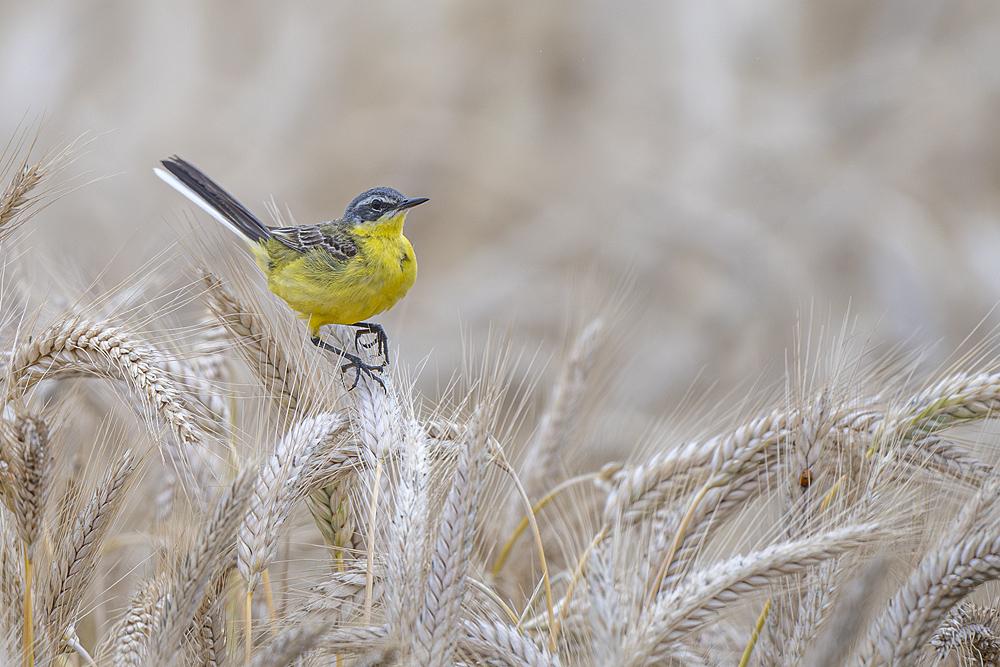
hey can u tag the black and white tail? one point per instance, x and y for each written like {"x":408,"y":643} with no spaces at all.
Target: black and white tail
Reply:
{"x":206,"y":193}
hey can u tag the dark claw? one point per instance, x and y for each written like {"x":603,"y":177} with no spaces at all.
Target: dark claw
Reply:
{"x":353,"y":361}
{"x":359,"y":368}
{"x":365,"y":344}
{"x":381,"y":340}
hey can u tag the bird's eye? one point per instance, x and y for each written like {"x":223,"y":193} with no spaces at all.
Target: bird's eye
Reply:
{"x":377,"y":205}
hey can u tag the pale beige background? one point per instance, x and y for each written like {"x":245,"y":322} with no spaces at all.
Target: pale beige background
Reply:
{"x":744,"y":161}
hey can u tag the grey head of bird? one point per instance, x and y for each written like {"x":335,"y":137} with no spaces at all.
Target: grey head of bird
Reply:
{"x":377,"y":203}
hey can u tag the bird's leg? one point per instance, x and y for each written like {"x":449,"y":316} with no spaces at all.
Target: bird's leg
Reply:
{"x":380,"y":338}
{"x":353,"y":361}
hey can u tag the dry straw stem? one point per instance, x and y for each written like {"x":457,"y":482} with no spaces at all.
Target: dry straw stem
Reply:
{"x":680,"y":612}
{"x":81,"y":345}
{"x":601,"y":476}
{"x":758,"y":626}
{"x":278,"y":373}
{"x":280,"y":482}
{"x":79,"y":550}
{"x":500,"y":461}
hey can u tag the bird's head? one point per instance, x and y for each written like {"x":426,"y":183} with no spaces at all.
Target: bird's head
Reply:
{"x":379,"y":204}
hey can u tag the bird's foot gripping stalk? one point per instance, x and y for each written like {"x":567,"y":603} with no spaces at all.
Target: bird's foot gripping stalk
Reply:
{"x":353,"y":361}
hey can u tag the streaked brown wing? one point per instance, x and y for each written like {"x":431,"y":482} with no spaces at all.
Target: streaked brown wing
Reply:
{"x":307,"y":237}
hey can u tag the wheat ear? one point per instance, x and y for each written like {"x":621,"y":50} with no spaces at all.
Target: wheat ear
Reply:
{"x":354,"y":639}
{"x":968,"y":556}
{"x":433,"y":641}
{"x":292,"y":643}
{"x":954,"y":399}
{"x":204,"y":560}
{"x":640,"y":490}
{"x":724,"y":473}
{"x":279,"y":483}
{"x":11,"y":588}
{"x":277,"y":372}
{"x":943,"y":577}
{"x":544,"y":454}
{"x":972,"y":632}
{"x":79,"y":344}
{"x":28,"y":490}
{"x":606,"y":614}
{"x":935,"y":453}
{"x":405,"y":548}
{"x":482,"y":640}
{"x":710,"y":510}
{"x":16,"y":198}
{"x":79,"y":550}
{"x":33,"y":465}
{"x":22,"y":197}
{"x":132,"y":633}
{"x":830,"y":642}
{"x":201,"y":371}
{"x":343,"y":593}
{"x":209,"y":632}
{"x":333,"y":512}
{"x":704,"y":594}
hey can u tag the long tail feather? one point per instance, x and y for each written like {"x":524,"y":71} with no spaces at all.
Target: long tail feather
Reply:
{"x":206,"y":193}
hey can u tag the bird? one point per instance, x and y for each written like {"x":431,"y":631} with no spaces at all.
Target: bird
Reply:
{"x":344,"y":271}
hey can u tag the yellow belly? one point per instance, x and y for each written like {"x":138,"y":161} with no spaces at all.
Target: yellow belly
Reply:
{"x":330,"y":292}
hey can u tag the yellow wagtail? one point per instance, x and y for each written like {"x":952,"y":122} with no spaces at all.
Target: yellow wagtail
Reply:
{"x":338,"y":272}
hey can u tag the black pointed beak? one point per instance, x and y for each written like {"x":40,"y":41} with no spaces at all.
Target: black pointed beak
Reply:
{"x":410,"y":203}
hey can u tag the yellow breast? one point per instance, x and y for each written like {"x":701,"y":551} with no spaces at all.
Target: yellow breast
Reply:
{"x":328,"y":291}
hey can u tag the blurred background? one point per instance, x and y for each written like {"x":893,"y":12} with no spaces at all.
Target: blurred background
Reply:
{"x":725,"y":169}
